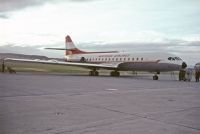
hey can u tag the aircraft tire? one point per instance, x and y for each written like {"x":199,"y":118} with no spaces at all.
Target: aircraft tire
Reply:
{"x":112,"y":73}
{"x":91,"y":73}
{"x":155,"y":77}
{"x":115,"y":73}
{"x":96,"y":73}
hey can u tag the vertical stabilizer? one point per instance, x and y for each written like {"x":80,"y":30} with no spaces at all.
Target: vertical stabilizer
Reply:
{"x":70,"y":47}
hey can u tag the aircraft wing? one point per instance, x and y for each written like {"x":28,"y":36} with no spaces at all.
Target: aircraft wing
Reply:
{"x":109,"y":66}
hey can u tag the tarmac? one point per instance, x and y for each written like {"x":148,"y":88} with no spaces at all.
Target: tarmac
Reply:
{"x":79,"y":104}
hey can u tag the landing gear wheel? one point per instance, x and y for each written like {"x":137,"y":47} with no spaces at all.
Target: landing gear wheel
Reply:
{"x":91,"y":73}
{"x":155,"y":77}
{"x":117,"y":74}
{"x":112,"y":73}
{"x":96,"y":73}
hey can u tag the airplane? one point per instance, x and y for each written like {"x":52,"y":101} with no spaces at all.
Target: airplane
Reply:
{"x":114,"y":60}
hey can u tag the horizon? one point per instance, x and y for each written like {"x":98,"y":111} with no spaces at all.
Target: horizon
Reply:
{"x":30,"y":50}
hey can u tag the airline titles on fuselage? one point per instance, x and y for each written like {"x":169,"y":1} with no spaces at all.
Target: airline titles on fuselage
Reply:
{"x":118,"y":55}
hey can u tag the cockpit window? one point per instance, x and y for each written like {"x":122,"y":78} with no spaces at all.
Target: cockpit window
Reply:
{"x":174,"y":58}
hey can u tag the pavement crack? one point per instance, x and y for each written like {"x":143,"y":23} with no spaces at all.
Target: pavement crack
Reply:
{"x":146,"y":117}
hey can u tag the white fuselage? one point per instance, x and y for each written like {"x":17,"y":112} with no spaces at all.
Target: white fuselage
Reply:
{"x":132,"y":62}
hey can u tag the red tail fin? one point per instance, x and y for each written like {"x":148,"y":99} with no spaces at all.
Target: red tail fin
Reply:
{"x":70,"y":47}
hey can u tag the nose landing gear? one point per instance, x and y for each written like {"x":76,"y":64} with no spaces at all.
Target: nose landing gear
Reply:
{"x":155,"y":77}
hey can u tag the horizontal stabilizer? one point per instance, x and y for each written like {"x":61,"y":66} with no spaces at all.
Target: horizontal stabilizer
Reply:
{"x":72,"y":49}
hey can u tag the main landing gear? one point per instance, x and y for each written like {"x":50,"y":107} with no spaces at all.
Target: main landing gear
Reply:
{"x":93,"y":73}
{"x":96,"y":73}
{"x":115,"y":73}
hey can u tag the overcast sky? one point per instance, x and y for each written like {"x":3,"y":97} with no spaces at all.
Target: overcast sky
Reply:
{"x":128,"y":25}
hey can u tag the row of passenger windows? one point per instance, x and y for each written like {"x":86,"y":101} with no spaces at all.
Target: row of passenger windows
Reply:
{"x":114,"y":59}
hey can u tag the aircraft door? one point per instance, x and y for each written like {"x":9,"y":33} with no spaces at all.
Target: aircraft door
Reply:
{"x":82,"y":59}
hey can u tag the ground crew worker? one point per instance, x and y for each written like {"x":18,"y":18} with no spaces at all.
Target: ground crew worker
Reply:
{"x":182,"y":75}
{"x":197,"y":72}
{"x":3,"y":67}
{"x":197,"y":75}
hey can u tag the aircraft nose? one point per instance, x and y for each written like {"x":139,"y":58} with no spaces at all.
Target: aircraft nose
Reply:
{"x":184,"y":65}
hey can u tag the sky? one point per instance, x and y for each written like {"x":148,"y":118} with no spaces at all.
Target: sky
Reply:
{"x":27,"y":26}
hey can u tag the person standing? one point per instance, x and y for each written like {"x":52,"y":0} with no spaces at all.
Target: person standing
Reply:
{"x":3,"y":66}
{"x":197,"y":76}
{"x":197,"y":73}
